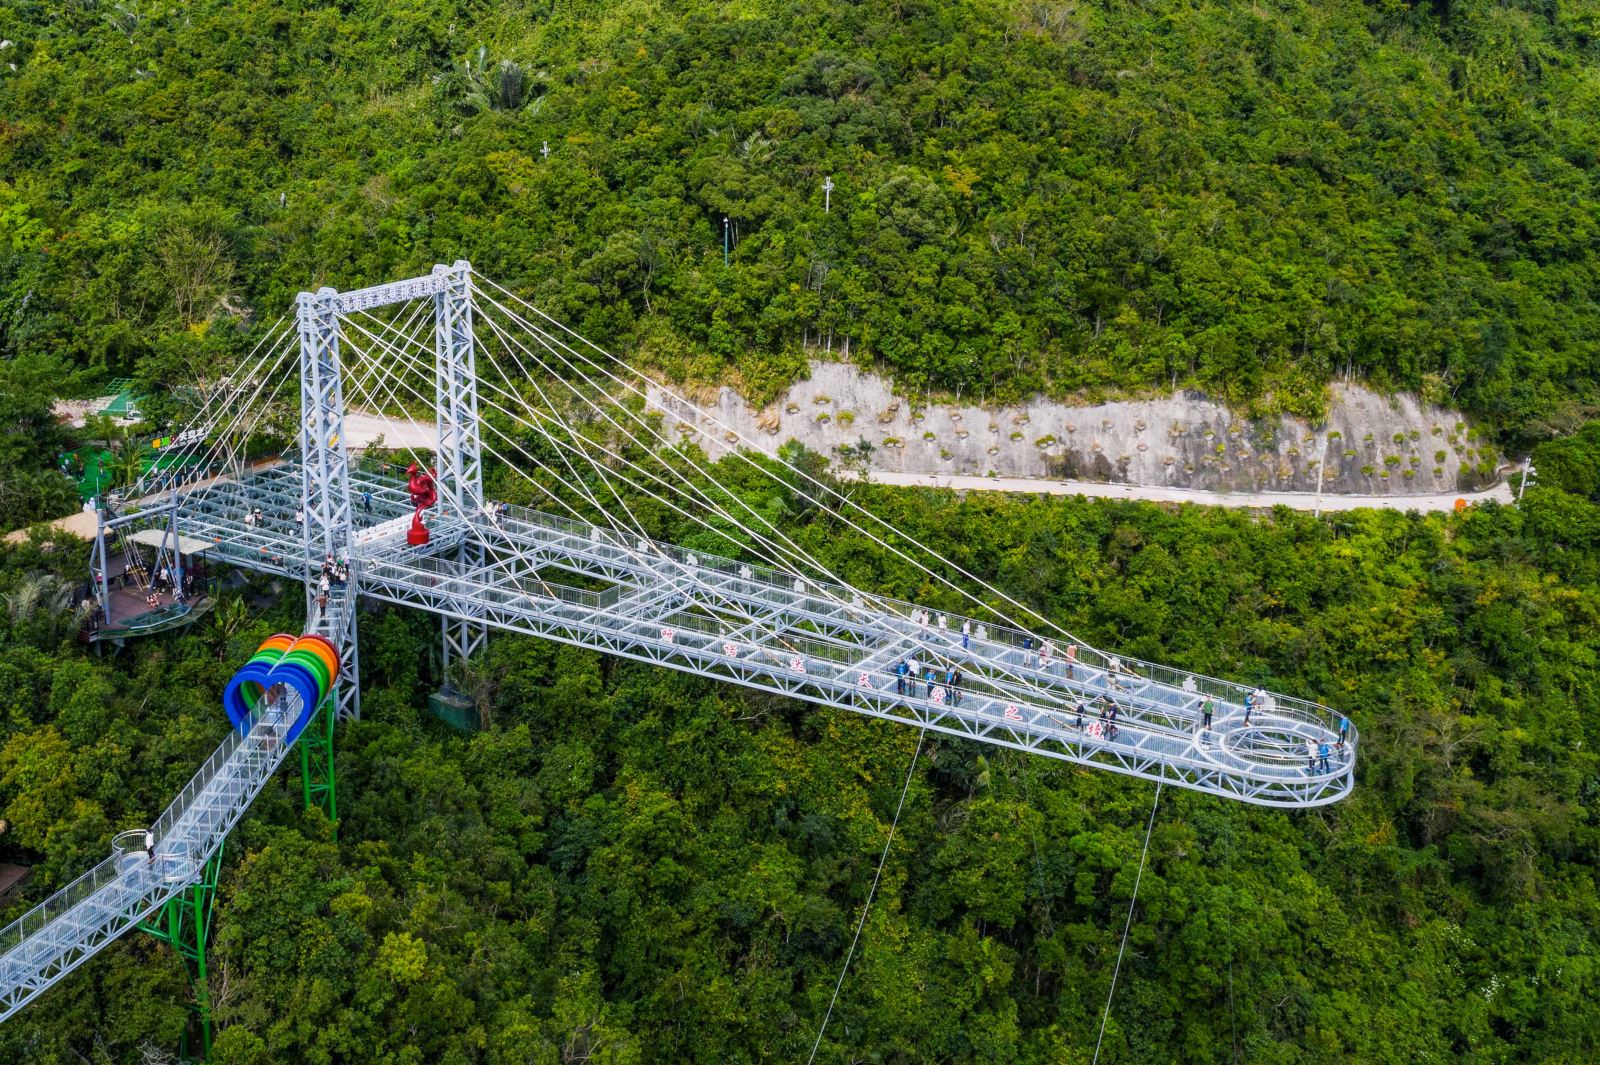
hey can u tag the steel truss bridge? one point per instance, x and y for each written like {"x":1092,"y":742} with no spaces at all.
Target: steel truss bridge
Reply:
{"x":594,"y":578}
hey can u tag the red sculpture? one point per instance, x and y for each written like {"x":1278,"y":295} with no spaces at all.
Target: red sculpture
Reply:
{"x":424,"y":494}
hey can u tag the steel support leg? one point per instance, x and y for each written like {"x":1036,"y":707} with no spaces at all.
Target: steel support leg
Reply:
{"x":184,"y":924}
{"x":316,"y":761}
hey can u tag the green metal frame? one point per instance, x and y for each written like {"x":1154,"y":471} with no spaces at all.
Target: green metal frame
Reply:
{"x":316,"y":760}
{"x":184,"y":924}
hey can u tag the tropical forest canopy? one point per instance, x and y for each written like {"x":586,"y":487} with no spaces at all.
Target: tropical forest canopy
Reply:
{"x":1075,"y":197}
{"x":635,"y":866}
{"x":630,"y":865}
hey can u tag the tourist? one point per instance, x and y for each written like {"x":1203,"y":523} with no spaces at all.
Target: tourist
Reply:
{"x":366,"y":502}
{"x":900,"y":671}
{"x":954,"y":680}
{"x":1311,"y":755}
{"x":1249,"y":705}
{"x":1046,"y":653}
{"x":1344,"y":730}
{"x":1205,"y":712}
{"x":1072,"y":659}
{"x":1322,"y":750}
{"x":149,"y":847}
{"x":966,"y":633}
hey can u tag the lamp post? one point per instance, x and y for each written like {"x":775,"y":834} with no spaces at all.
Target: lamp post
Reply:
{"x":724,"y":240}
{"x":827,"y":193}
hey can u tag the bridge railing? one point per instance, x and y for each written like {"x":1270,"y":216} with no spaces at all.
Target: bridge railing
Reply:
{"x":1229,"y":693}
{"x":822,"y":659}
{"x":37,"y":919}
{"x":1273,"y":759}
{"x":177,"y":862}
{"x":1176,"y":686}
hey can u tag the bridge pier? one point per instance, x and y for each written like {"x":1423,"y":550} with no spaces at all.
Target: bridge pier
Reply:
{"x":184,"y":923}
{"x":317,"y":778}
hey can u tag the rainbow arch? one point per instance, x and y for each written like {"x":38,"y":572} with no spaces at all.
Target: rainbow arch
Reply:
{"x":307,"y":665}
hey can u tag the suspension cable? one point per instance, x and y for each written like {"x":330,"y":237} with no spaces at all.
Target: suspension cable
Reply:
{"x":922,"y":734}
{"x":820,"y":484}
{"x":693,"y":576}
{"x":1104,"y":1016}
{"x":805,"y":559}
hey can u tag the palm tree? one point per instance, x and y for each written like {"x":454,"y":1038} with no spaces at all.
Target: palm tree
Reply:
{"x":44,"y":602}
{"x":504,"y":87}
{"x":227,"y":621}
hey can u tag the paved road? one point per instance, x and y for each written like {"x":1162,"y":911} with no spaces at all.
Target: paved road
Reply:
{"x":362,"y":429}
{"x":1094,"y":489}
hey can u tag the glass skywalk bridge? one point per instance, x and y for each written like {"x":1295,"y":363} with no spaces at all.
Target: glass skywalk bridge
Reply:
{"x":128,"y":888}
{"x":824,"y":643}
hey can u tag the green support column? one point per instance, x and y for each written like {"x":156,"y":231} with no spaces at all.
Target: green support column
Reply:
{"x":184,"y":924}
{"x":316,"y":760}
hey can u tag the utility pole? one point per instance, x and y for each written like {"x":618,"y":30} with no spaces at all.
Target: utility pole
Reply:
{"x":827,"y":193}
{"x":724,"y":241}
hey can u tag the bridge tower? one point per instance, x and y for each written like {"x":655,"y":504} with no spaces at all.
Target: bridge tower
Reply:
{"x":326,"y":472}
{"x":325,"y":484}
{"x":460,"y":448}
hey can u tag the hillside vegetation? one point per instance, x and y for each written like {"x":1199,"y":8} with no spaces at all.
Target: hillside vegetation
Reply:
{"x":634,"y":866}
{"x":1072,"y":196}
{"x":637,"y":866}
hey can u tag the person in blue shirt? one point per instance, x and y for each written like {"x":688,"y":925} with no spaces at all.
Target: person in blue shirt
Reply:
{"x":900,"y":671}
{"x":1344,"y":730}
{"x":1322,"y":751}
